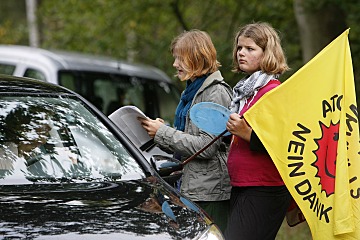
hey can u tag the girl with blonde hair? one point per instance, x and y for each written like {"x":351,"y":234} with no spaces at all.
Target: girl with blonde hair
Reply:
{"x":259,"y":198}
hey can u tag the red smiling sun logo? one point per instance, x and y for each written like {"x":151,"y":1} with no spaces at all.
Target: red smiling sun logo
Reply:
{"x":326,"y":157}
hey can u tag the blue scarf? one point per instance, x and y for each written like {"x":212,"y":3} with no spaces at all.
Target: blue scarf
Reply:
{"x":185,"y":101}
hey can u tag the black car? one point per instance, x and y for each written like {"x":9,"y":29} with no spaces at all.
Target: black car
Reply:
{"x":67,"y":172}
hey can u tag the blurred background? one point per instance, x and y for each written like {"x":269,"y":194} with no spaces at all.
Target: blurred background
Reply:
{"x":141,"y":31}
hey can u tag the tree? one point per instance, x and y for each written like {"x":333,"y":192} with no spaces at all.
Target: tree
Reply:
{"x":13,"y":25}
{"x":141,"y":31}
{"x":144,"y":29}
{"x":317,"y":24}
{"x":31,"y":6}
{"x":321,"y":21}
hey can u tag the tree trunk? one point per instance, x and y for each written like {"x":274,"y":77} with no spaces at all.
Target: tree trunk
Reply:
{"x":31,"y":6}
{"x":318,"y":26}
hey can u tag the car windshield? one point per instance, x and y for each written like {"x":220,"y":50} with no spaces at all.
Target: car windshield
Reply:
{"x":44,"y":138}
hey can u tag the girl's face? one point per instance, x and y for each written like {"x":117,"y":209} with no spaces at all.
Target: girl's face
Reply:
{"x":248,"y":55}
{"x":181,"y":73}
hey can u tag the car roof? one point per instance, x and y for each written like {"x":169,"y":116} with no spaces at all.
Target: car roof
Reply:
{"x":11,"y":84}
{"x":67,"y":60}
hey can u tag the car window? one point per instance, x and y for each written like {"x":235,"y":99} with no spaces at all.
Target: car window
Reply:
{"x":58,"y":138}
{"x":7,"y":69}
{"x":168,"y":99}
{"x":109,"y":92}
{"x":33,"y":73}
{"x":125,"y":91}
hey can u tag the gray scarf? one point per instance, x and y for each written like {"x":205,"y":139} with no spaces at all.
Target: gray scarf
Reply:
{"x":248,"y":87}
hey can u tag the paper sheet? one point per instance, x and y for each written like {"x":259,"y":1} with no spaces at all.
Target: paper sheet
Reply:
{"x":126,"y":118}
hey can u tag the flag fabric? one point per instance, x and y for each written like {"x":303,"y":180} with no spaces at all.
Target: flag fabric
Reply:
{"x":309,"y":126}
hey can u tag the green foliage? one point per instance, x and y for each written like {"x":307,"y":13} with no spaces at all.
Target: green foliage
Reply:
{"x":11,"y":33}
{"x":141,"y":31}
{"x":13,"y":25}
{"x":298,"y":232}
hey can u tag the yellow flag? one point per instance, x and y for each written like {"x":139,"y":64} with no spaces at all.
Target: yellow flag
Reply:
{"x":309,"y":125}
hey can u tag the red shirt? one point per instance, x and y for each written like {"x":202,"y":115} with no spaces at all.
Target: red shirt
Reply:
{"x":250,"y":168}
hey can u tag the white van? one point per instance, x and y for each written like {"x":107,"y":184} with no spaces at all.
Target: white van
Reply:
{"x":107,"y":83}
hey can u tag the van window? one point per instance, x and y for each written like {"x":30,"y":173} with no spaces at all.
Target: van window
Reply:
{"x":166,"y":95}
{"x":109,"y":92}
{"x":33,"y":73}
{"x":7,"y":69}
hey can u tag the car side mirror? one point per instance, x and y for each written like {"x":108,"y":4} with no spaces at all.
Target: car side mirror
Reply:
{"x":170,"y":169}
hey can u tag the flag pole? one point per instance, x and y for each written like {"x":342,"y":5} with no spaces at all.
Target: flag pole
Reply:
{"x":203,"y":149}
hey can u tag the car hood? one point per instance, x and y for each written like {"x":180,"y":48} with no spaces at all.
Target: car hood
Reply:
{"x":135,"y":209}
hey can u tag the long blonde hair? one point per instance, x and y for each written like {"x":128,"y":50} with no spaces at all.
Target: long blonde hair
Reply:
{"x":196,"y":52}
{"x":265,"y":36}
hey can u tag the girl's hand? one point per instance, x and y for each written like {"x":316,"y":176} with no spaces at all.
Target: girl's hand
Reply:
{"x":238,"y":126}
{"x":161,"y":120}
{"x":150,"y":125}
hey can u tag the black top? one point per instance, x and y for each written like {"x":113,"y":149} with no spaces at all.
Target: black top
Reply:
{"x":256,"y":144}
